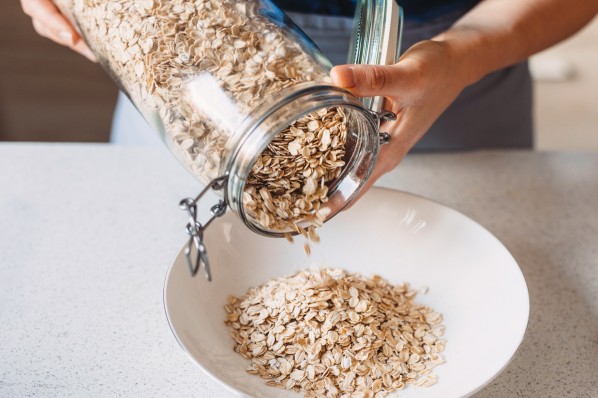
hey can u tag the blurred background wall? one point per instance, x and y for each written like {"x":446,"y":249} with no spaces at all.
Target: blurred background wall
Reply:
{"x":566,"y":110}
{"x":49,"y":93}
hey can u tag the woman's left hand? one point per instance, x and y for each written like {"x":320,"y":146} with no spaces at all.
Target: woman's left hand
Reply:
{"x":417,"y":89}
{"x":49,"y":22}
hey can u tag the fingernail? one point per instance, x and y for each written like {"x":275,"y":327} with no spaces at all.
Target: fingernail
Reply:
{"x":346,"y":77}
{"x":66,"y":36}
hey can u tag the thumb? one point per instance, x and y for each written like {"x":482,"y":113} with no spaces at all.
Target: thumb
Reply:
{"x":367,"y":80}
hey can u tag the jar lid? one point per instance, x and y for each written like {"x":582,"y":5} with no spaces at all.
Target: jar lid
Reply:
{"x":376,"y":38}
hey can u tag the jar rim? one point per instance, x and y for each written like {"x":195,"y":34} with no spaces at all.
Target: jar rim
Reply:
{"x":256,"y":133}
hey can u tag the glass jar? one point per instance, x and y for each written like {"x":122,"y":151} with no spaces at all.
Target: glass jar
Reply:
{"x":220,"y":80}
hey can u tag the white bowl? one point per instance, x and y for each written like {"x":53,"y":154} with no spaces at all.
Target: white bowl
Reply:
{"x":472,"y":278}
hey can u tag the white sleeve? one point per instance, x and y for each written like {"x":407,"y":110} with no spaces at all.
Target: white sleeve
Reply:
{"x":129,"y":127}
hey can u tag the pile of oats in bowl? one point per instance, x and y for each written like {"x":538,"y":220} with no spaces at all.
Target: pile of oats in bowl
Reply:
{"x":332,"y":333}
{"x":182,"y":60}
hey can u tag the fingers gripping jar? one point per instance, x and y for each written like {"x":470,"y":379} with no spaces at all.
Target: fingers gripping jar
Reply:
{"x":243,"y":99}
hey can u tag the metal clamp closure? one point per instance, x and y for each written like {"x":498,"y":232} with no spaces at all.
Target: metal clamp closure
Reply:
{"x":383,"y":116}
{"x":195,"y":229}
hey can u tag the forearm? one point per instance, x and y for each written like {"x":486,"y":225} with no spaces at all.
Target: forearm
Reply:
{"x":499,"y":33}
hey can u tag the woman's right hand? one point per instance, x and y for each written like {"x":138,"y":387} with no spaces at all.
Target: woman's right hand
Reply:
{"x":49,"y":22}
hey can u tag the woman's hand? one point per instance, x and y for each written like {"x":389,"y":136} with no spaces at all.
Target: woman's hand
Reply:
{"x":430,"y":75}
{"x":417,"y":89}
{"x":49,"y":22}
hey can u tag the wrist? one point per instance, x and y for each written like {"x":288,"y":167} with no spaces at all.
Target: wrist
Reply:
{"x":466,"y":50}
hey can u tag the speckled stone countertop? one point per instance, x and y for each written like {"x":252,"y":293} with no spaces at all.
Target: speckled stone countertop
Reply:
{"x":87,"y":233}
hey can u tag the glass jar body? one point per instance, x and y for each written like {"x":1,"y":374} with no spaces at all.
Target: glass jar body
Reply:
{"x":219,"y":80}
{"x":197,"y":69}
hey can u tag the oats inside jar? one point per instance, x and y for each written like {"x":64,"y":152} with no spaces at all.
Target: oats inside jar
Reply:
{"x":289,"y":182}
{"x":172,"y":57}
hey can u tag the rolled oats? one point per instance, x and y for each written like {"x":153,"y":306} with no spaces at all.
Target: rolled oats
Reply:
{"x":301,"y":333}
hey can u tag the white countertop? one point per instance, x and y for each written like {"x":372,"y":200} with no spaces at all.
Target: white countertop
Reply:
{"x":87,"y":233}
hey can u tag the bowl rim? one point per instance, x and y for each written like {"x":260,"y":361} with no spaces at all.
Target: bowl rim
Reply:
{"x":177,"y":338}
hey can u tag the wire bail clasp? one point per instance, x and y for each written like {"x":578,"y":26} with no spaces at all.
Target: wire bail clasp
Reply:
{"x":195,"y":229}
{"x":383,"y":116}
